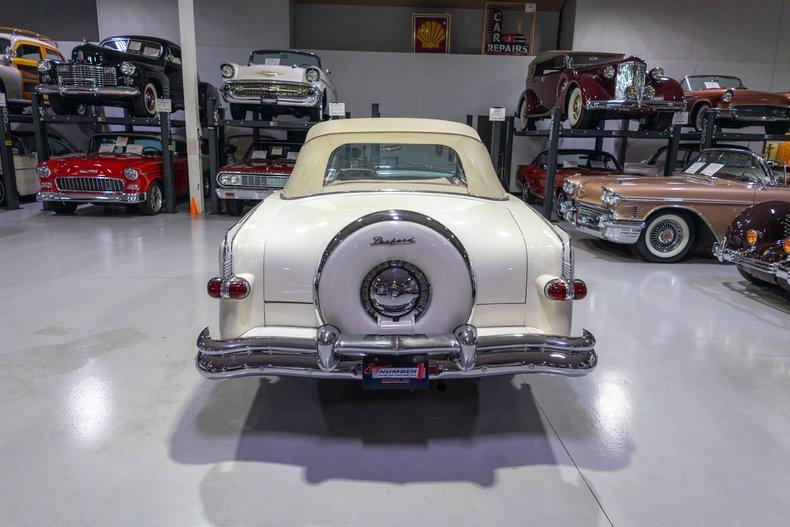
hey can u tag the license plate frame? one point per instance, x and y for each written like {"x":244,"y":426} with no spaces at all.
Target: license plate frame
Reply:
{"x":395,"y":372}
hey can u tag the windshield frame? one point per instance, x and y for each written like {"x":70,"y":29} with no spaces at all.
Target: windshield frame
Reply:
{"x":686,"y":82}
{"x":265,"y":51}
{"x":767,"y":172}
{"x":131,"y":137}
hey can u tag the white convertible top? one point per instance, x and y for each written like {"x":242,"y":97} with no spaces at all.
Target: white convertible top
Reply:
{"x":391,"y":124}
{"x":307,"y":178}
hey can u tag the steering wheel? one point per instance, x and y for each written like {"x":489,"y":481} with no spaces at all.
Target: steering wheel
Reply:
{"x":351,"y":174}
{"x":151,"y":151}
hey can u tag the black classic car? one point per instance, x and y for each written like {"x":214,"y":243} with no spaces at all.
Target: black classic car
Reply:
{"x":129,"y":71}
{"x":758,"y":243}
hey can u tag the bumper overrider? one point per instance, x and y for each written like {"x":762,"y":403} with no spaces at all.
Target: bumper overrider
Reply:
{"x":332,"y":354}
{"x":776,"y":272}
{"x":603,"y":226}
{"x":90,"y":197}
{"x":88,"y":91}
{"x":652,"y":105}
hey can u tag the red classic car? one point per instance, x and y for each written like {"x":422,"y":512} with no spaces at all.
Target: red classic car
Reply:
{"x":738,"y":107}
{"x":266,"y":167}
{"x":122,"y":168}
{"x":570,"y":162}
{"x":590,"y":87}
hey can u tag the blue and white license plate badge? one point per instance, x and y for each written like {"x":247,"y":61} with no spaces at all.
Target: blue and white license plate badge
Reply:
{"x":395,"y":372}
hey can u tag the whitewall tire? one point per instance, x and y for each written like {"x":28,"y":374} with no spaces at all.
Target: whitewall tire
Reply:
{"x":668,"y":236}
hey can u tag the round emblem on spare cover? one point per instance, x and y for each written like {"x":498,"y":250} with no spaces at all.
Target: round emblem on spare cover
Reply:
{"x":394,"y":289}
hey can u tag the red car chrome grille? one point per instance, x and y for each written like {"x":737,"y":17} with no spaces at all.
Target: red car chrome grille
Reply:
{"x":273,"y":181}
{"x":89,"y":184}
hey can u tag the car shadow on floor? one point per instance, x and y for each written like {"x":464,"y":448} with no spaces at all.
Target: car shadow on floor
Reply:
{"x":335,"y":430}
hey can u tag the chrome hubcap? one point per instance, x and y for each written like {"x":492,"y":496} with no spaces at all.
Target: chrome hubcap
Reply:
{"x":576,"y":107}
{"x":150,"y":98}
{"x":156,"y":198}
{"x":666,"y":236}
{"x":394,"y":289}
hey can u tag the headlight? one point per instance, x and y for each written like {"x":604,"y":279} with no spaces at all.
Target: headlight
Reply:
{"x":751,"y":236}
{"x":569,"y":187}
{"x":609,"y":197}
{"x":43,"y":171}
{"x":227,"y":71}
{"x":630,"y":92}
{"x":44,"y":66}
{"x":312,"y":75}
{"x":726,"y":96}
{"x":657,"y":73}
{"x":649,"y":92}
{"x":130,"y":173}
{"x":229,"y":179}
{"x":609,"y":72}
{"x":127,"y":68}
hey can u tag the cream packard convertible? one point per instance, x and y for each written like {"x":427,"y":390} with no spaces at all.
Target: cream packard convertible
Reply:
{"x":393,"y":255}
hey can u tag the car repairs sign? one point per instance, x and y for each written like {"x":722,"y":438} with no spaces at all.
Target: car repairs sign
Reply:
{"x":395,"y":372}
{"x":509,"y":28}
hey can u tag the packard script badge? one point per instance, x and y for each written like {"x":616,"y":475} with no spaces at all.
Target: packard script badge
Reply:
{"x":379,"y":240}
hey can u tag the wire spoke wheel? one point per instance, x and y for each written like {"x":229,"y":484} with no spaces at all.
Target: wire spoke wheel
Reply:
{"x":666,"y":236}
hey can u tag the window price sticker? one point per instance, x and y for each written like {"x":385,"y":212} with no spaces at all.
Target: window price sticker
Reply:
{"x":163,"y":105}
{"x":271,"y":61}
{"x":496,"y":113}
{"x":680,"y":118}
{"x":134,"y":149}
{"x":106,"y":148}
{"x":337,"y":109}
{"x":694,"y":167}
{"x":258,"y":154}
{"x":121,"y":140}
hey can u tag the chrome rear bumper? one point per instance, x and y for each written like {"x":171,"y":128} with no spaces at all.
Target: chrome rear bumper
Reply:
{"x":602,"y":226}
{"x":90,"y":197}
{"x":733,"y":115}
{"x":88,"y":91}
{"x":331,"y":354}
{"x":627,"y":105}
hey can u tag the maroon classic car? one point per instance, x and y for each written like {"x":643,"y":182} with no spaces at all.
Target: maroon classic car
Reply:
{"x":738,"y":107}
{"x":758,"y":243}
{"x":570,"y":162}
{"x":266,"y":167}
{"x":590,"y":87}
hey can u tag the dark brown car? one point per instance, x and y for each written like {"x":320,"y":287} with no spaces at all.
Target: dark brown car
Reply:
{"x":738,"y":107}
{"x":758,"y":243}
{"x":590,"y":87}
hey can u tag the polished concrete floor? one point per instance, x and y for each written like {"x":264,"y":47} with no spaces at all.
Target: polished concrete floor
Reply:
{"x":104,"y":420}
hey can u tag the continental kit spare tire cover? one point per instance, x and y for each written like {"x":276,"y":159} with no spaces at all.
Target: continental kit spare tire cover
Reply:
{"x":394,"y":264}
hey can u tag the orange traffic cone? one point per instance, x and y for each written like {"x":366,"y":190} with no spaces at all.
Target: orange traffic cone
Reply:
{"x":193,"y":211}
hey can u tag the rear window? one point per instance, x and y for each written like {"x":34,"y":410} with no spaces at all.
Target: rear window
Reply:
{"x":380,"y":164}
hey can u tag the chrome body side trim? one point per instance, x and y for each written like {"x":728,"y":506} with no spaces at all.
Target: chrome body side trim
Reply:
{"x":391,"y":215}
{"x":732,"y":114}
{"x":88,"y":91}
{"x":332,"y":354}
{"x":602,"y":226}
{"x":93,"y":197}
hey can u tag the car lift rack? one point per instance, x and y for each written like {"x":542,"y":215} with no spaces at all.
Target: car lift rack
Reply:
{"x":40,"y":119}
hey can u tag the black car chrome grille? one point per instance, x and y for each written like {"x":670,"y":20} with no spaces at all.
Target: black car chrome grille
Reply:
{"x":269,"y":89}
{"x":71,"y":74}
{"x":629,"y":84}
{"x":589,"y":209}
{"x":89,"y":184}
{"x":763,"y":111}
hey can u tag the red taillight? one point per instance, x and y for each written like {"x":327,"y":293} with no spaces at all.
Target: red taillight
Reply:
{"x":234,"y":287}
{"x":579,"y":289}
{"x":214,"y":287}
{"x":559,"y":289}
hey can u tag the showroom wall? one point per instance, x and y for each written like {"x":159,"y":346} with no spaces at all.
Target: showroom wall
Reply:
{"x":359,"y":28}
